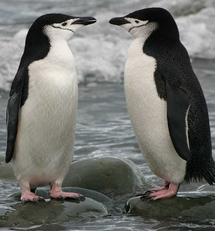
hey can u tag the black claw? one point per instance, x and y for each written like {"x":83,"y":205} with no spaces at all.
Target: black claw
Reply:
{"x":42,"y":199}
{"x":82,"y":198}
{"x":76,"y":199}
{"x":146,"y":194}
{"x":23,"y":201}
{"x":150,"y":200}
{"x":73,"y":199}
{"x":139,"y":195}
{"x":36,"y":201}
{"x":147,"y":199}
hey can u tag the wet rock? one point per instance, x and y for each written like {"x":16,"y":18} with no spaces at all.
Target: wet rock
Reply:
{"x":186,"y":205}
{"x":111,"y":176}
{"x":54,"y":211}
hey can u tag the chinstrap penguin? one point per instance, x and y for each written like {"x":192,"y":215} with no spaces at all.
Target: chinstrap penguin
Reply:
{"x":41,"y":110}
{"x":165,"y":102}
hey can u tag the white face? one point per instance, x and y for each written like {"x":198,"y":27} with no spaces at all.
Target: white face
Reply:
{"x":138,"y":28}
{"x":63,"y":30}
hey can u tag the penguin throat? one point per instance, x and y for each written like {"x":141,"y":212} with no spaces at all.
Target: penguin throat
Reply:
{"x":62,"y":28}
{"x":136,"y":27}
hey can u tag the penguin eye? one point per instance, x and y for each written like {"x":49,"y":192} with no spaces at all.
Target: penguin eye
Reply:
{"x":137,"y":21}
{"x":64,"y":24}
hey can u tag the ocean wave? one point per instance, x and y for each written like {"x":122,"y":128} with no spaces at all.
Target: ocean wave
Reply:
{"x":100,"y":50}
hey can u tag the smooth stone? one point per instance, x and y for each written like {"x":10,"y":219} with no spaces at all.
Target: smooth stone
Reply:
{"x":54,"y":211}
{"x":196,"y":205}
{"x":6,"y":172}
{"x":108,"y":175}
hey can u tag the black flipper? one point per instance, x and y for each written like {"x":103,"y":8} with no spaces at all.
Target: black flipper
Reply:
{"x":18,"y":95}
{"x":177,"y":111}
{"x":12,"y":123}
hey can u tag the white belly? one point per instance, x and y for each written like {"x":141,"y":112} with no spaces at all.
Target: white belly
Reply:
{"x":148,"y":114}
{"x":46,"y":135}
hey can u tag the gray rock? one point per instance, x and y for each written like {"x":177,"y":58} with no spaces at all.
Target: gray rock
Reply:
{"x":54,"y":211}
{"x":111,"y":176}
{"x":186,"y":205}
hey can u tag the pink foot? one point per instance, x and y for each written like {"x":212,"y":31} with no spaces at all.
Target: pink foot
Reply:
{"x":56,"y":192}
{"x":27,"y":195}
{"x":168,"y":190}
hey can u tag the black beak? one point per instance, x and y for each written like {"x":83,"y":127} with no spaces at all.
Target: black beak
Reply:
{"x":118,"y":21}
{"x":85,"y":20}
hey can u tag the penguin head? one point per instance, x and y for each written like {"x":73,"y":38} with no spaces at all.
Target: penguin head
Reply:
{"x":56,"y":26}
{"x":48,"y":29}
{"x":142,"y":23}
{"x":60,"y":25}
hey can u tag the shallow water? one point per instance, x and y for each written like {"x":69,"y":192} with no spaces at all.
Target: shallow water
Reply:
{"x":104,"y":129}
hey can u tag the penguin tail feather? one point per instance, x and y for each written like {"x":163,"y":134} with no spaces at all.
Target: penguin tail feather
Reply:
{"x":201,"y":172}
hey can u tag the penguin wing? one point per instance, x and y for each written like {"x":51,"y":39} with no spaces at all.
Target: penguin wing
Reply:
{"x":177,"y":112}
{"x":12,"y":114}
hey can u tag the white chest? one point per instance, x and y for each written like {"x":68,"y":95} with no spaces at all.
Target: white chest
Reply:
{"x":53,"y":85}
{"x":46,"y":132}
{"x":148,"y":114}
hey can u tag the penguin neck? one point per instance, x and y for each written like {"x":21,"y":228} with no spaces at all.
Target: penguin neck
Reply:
{"x":136,"y":47}
{"x":160,"y":40}
{"x":59,"y":44}
{"x":59,"y":50}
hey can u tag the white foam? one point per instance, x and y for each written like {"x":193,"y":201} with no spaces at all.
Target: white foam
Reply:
{"x":198,"y":33}
{"x":100,"y":50}
{"x":10,"y":54}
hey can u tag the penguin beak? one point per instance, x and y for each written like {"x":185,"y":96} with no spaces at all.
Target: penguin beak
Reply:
{"x":85,"y":21}
{"x":118,"y":21}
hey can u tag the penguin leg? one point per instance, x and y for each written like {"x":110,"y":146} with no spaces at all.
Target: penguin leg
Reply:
{"x":56,"y":192}
{"x":168,"y":191}
{"x":27,"y":195}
